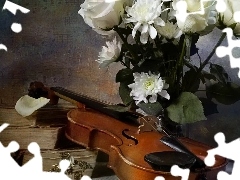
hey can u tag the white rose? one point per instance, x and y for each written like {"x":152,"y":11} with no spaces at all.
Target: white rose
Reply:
{"x":102,"y":16}
{"x":110,"y":53}
{"x":227,"y":16}
{"x":194,"y":21}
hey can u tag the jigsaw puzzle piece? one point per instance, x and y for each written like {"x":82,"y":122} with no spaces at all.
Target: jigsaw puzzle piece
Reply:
{"x":3,"y":126}
{"x":223,"y":176}
{"x":85,"y":177}
{"x":12,"y":7}
{"x":177,"y":171}
{"x":35,"y":164}
{"x":8,"y":164}
{"x":222,"y":51}
{"x":210,"y":158}
{"x":181,"y":11}
{"x":236,"y":16}
{"x":227,"y":150}
{"x":63,"y":165}
{"x":233,"y":176}
{"x":16,"y":27}
{"x":159,"y":178}
{"x":221,"y":6}
{"x":3,"y":47}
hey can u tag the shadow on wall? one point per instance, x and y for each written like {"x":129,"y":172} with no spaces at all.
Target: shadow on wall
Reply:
{"x":227,"y":120}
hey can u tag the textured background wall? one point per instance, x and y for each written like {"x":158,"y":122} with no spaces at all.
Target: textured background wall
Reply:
{"x":59,"y":49}
{"x":55,"y":47}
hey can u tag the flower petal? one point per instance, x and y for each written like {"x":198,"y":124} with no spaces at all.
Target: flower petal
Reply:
{"x":152,"y":32}
{"x":26,"y":105}
{"x":153,"y":99}
{"x":138,"y":24}
{"x":164,"y":94}
{"x":159,"y":21}
{"x":144,"y":38}
{"x":144,"y":28}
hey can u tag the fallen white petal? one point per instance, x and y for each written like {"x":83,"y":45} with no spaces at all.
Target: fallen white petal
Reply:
{"x":26,"y":105}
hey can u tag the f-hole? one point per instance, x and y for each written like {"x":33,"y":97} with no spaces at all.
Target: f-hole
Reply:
{"x":126,"y":135}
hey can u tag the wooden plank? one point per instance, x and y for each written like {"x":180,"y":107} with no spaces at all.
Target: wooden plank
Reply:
{"x":9,"y":115}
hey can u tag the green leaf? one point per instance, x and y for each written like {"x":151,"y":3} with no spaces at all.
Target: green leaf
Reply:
{"x":219,"y":72}
{"x":186,"y":109}
{"x":189,"y":84}
{"x":224,"y":93}
{"x":124,"y":75}
{"x":118,"y":108}
{"x":233,"y":26}
{"x":153,"y":109}
{"x":209,"y":106}
{"x":206,"y":76}
{"x":124,"y":92}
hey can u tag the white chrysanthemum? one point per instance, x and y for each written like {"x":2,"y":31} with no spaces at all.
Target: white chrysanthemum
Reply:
{"x":26,"y":105}
{"x":146,"y":85}
{"x":110,"y":53}
{"x":144,"y":14}
{"x":169,"y":31}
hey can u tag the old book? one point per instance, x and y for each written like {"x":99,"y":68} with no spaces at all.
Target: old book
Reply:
{"x":49,"y":115}
{"x":82,"y":161}
{"x":46,"y":137}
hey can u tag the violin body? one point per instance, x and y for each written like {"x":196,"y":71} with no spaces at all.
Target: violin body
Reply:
{"x":127,"y":147}
{"x":126,"y":142}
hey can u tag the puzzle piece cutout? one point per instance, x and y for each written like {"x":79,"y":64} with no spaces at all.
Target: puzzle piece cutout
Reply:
{"x":12,"y":7}
{"x":159,"y":178}
{"x":236,"y":16}
{"x":33,"y":168}
{"x":228,"y":150}
{"x":222,"y":51}
{"x":182,"y":13}
{"x":177,"y":171}
{"x":15,"y":27}
{"x":221,"y":6}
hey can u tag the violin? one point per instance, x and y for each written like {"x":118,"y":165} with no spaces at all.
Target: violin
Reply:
{"x":136,"y":148}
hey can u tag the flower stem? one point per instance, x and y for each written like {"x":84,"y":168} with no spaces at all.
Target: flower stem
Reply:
{"x":124,"y":64}
{"x":213,"y":51}
{"x":134,"y":56}
{"x":205,"y":62}
{"x":178,"y":66}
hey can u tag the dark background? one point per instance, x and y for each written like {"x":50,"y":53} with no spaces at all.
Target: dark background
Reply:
{"x":57,"y":48}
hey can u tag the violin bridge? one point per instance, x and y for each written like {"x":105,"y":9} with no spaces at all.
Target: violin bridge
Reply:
{"x":148,"y":123}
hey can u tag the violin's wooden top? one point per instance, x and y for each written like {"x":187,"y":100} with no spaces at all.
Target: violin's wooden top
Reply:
{"x":123,"y":142}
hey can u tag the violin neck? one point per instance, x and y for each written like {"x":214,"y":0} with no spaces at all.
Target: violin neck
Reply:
{"x":94,"y":104}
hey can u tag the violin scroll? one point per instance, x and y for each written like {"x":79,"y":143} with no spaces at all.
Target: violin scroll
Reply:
{"x":37,"y":90}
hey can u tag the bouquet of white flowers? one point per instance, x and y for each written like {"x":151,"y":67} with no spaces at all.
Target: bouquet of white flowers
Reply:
{"x":155,"y":42}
